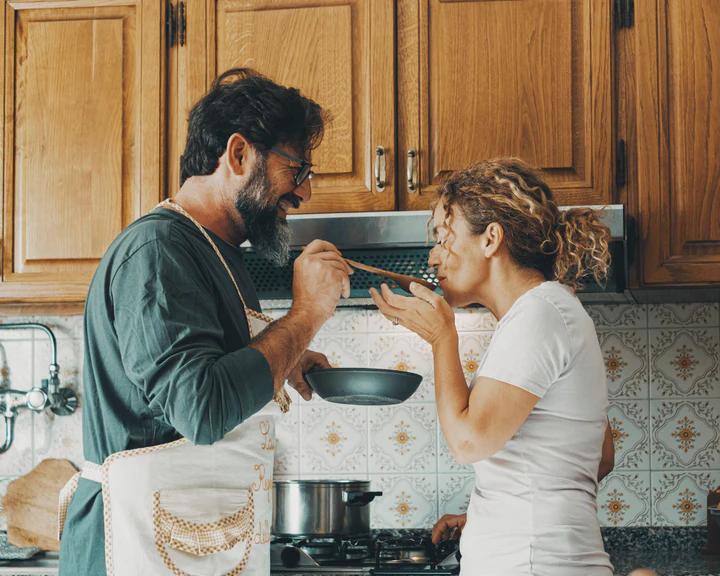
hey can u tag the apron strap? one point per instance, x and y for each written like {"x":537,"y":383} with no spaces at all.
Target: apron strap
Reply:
{"x":91,"y":471}
{"x":281,"y":397}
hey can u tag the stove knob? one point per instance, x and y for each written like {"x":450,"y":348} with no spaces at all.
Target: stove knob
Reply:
{"x":290,"y":556}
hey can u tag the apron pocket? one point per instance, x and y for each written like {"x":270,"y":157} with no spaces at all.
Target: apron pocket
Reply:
{"x":204,"y":531}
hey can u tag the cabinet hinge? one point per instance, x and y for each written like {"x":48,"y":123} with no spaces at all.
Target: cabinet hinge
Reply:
{"x":170,"y":24}
{"x":182,"y":23}
{"x":624,"y":13}
{"x":621,"y":165}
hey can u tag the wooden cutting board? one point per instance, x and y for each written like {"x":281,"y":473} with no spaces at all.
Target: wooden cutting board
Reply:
{"x":31,"y":505}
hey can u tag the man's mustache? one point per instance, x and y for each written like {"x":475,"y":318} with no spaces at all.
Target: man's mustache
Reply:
{"x":291,"y":198}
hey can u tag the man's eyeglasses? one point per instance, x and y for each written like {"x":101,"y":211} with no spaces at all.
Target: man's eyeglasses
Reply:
{"x":303,"y":172}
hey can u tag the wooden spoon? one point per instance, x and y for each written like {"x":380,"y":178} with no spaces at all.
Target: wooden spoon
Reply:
{"x":401,"y":280}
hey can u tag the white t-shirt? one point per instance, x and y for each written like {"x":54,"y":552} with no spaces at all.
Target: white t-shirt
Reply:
{"x":533,"y":510}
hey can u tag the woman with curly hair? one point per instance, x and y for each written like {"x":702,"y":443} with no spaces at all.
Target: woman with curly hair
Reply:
{"x":533,"y":422}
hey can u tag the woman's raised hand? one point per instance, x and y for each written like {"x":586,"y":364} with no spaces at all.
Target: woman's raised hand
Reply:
{"x":427,"y":314}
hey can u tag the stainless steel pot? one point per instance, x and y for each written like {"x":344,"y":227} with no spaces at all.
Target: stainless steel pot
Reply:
{"x":322,"y":507}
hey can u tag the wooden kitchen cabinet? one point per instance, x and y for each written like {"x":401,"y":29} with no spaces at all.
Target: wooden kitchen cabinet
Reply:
{"x":341,"y":53}
{"x":82,"y":152}
{"x":96,"y":99}
{"x":485,"y":78}
{"x":674,"y":58}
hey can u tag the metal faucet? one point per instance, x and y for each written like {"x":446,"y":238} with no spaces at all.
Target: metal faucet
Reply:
{"x":61,"y":401}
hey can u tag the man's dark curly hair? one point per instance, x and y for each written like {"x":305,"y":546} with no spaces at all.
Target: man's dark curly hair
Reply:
{"x":244,"y":101}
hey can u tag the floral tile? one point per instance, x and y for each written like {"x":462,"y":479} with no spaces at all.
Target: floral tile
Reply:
{"x":16,"y":364}
{"x":618,"y":315}
{"x":474,"y":319}
{"x":346,"y":321}
{"x":407,"y":353}
{"x":342,"y":351}
{"x":631,"y":434}
{"x":680,"y":498}
{"x":626,"y":362}
{"x":684,"y":362}
{"x":685,"y":434}
{"x":446,"y":461}
{"x":287,"y":442}
{"x":18,"y":460}
{"x":403,"y":438}
{"x":454,"y":492}
{"x":683,"y":315}
{"x":376,"y":322}
{"x":408,"y":501}
{"x":472,"y":348}
{"x":59,"y":437}
{"x":624,"y":499}
{"x":333,"y":439}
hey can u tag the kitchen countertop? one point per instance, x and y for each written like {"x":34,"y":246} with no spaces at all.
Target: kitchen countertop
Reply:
{"x":667,"y":551}
{"x":666,"y":563}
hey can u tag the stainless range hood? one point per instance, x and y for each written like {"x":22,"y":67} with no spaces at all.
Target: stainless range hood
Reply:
{"x":399,"y":242}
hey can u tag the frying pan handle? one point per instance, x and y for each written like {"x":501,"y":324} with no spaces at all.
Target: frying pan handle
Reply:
{"x":359,"y":498}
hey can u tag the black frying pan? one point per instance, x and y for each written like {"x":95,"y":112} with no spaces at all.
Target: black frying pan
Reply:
{"x":363,"y":386}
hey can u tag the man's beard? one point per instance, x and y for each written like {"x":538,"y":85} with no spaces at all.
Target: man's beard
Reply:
{"x":264,"y":228}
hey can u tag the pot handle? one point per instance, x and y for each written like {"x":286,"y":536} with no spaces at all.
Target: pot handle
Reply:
{"x":358,"y":498}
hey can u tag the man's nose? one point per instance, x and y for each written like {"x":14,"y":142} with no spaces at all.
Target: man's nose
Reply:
{"x":304,"y":191}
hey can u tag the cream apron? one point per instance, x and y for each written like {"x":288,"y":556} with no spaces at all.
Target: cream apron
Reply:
{"x":191,"y":510}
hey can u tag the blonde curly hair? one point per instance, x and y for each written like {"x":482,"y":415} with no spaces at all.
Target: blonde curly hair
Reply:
{"x":569,"y":246}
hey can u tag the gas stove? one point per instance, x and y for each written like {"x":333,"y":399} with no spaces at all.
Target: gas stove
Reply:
{"x":383,"y":554}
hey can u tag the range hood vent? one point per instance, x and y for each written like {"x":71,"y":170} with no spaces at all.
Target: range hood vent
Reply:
{"x":400,"y":242}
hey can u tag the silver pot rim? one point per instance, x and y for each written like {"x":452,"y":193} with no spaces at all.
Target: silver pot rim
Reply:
{"x":321,"y":482}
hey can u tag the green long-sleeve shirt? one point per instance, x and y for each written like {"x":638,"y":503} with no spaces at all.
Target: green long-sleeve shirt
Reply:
{"x":166,"y":356}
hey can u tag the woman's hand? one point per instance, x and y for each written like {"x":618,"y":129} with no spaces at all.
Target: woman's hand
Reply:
{"x":428,"y":314}
{"x":449,"y":527}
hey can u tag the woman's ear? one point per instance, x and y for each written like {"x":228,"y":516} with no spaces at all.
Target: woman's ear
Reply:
{"x":494,"y":236}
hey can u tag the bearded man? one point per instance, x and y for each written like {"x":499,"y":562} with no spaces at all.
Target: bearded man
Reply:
{"x":173,"y":365}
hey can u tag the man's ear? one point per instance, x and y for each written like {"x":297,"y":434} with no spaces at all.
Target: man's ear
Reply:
{"x":238,"y":153}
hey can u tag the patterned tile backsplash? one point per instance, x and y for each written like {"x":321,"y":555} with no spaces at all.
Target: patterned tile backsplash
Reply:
{"x":663,"y":374}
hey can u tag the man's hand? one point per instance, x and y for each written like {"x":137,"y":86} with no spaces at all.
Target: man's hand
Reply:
{"x":449,"y":527}
{"x":320,"y":277}
{"x":309,"y":361}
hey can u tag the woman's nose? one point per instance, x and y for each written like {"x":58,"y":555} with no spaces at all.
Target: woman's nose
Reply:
{"x":433,"y":258}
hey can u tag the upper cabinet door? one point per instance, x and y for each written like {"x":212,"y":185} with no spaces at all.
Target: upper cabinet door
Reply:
{"x":677,"y":106}
{"x":340,"y":53}
{"x":82,"y":129}
{"x":484,"y":78}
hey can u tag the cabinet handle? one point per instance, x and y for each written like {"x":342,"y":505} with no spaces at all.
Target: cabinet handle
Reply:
{"x":380,"y":169}
{"x":412,"y":170}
